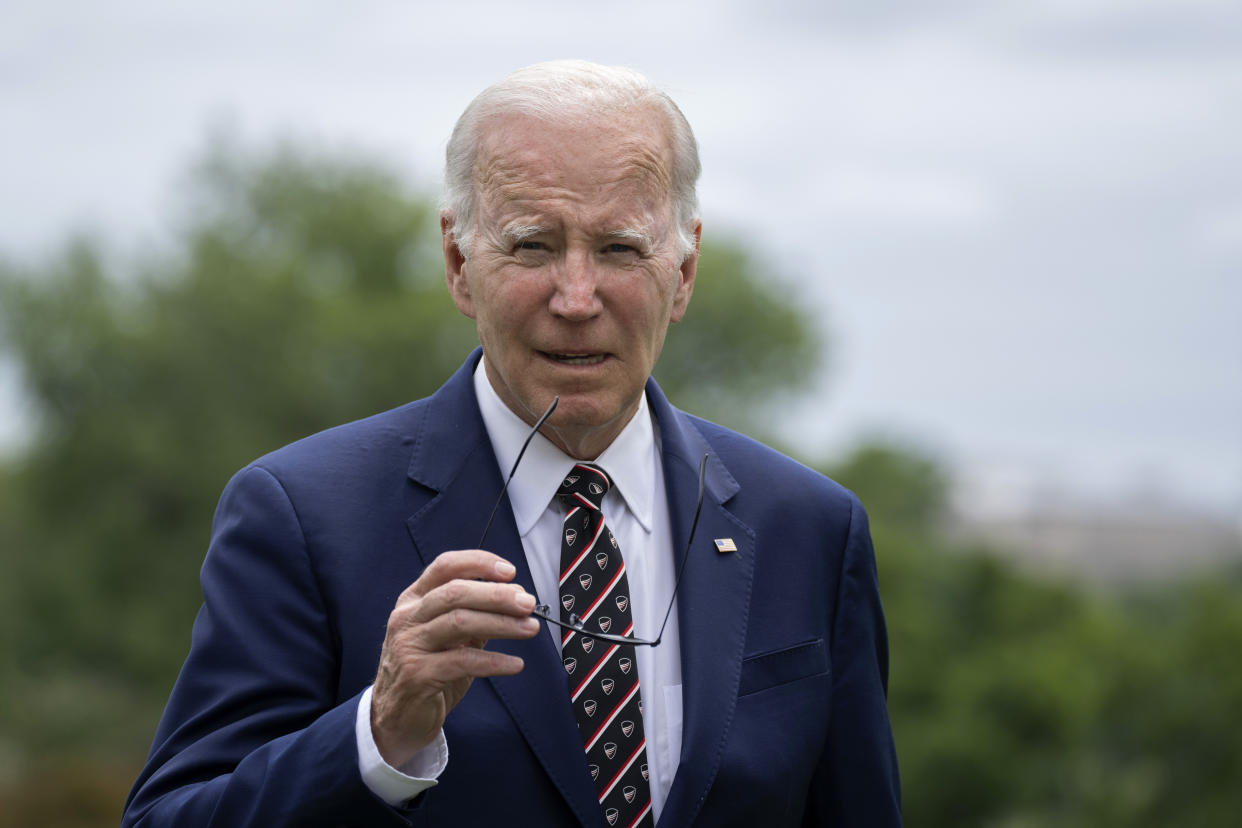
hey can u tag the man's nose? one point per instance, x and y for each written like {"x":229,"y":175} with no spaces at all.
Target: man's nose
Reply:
{"x":575,"y":294}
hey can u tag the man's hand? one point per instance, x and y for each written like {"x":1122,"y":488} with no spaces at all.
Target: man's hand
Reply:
{"x":434,"y":646}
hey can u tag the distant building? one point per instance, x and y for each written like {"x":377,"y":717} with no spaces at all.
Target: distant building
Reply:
{"x":1108,"y":544}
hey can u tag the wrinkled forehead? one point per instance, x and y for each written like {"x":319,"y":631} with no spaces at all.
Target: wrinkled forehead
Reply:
{"x":622,"y":156}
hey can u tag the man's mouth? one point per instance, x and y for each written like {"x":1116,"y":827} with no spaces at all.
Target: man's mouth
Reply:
{"x":575,"y":359}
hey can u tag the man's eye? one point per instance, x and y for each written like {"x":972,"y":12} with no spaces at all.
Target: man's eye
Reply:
{"x":530,"y":245}
{"x":618,"y":247}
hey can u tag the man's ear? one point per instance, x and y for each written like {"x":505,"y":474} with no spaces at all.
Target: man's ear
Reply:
{"x":455,"y":265}
{"x":686,"y":273}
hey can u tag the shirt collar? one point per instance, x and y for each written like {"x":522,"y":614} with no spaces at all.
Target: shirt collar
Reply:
{"x":630,"y":461}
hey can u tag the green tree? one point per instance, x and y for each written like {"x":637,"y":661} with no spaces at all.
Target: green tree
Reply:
{"x":1027,"y":701}
{"x":744,"y":346}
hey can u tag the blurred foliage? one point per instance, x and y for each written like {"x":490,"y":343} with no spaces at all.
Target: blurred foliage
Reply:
{"x":302,"y":291}
{"x":743,"y":347}
{"x":1024,"y":701}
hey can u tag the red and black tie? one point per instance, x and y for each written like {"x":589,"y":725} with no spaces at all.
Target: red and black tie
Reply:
{"x":603,"y":676}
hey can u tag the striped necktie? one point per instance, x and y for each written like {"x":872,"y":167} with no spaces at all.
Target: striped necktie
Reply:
{"x":603,"y":676}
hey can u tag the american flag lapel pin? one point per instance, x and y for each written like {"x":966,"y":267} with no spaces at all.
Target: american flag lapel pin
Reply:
{"x":724,"y":545}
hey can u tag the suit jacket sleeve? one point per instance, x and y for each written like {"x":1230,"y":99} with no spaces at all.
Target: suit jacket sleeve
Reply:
{"x":254,"y":733}
{"x":856,"y":781}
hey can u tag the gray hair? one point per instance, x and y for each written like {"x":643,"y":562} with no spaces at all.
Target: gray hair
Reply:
{"x":554,"y":91}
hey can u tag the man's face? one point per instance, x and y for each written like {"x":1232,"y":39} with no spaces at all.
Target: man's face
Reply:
{"x":574,"y":273}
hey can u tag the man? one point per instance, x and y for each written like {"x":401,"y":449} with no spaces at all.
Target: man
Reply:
{"x":571,"y":238}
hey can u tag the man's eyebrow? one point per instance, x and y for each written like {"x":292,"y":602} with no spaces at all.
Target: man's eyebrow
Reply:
{"x":642,"y":237}
{"x":517,"y":233}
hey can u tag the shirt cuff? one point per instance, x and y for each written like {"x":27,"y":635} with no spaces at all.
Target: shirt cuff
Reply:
{"x":396,"y":786}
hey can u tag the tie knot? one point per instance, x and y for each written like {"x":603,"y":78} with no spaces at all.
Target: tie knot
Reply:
{"x":585,"y":485}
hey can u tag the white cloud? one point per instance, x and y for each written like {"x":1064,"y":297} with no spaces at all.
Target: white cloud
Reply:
{"x":1221,"y":228}
{"x":926,"y":198}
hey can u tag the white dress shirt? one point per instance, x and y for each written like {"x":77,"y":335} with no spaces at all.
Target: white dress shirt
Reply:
{"x":636,"y":510}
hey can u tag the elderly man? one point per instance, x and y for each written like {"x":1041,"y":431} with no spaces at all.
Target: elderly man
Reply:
{"x":571,"y":239}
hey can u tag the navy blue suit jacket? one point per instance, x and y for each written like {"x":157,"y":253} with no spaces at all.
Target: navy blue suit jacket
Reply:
{"x":784,"y":657}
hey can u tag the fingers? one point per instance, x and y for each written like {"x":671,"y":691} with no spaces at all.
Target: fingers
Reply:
{"x":462,"y":599}
{"x":461,"y":564}
{"x":464,"y":614}
{"x":435,"y":645}
{"x":505,"y":599}
{"x":458,"y":602}
{"x":467,"y":627}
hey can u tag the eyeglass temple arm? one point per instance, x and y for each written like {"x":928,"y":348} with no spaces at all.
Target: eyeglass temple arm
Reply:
{"x":694,"y":524}
{"x":538,"y":425}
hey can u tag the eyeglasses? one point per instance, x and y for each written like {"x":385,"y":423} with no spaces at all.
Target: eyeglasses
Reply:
{"x":576,"y":624}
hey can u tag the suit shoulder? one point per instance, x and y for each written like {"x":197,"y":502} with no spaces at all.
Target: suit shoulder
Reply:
{"x":754,"y":464}
{"x":355,"y":447}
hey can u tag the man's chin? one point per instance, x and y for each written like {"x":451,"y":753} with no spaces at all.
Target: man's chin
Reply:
{"x":572,"y":412}
{"x":583,"y":426}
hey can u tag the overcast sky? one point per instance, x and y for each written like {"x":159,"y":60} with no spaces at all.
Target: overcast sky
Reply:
{"x":1021,"y":222}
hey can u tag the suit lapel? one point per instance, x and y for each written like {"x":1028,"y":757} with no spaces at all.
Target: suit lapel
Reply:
{"x":712,"y":606}
{"x":453,"y":457}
